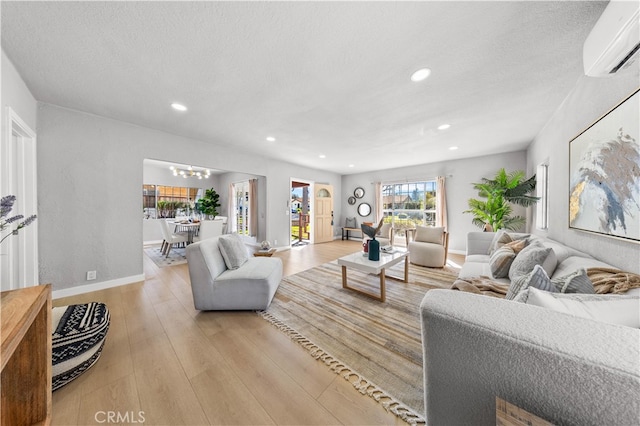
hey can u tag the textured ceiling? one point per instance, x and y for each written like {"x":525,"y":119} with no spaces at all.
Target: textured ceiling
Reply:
{"x":326,"y":78}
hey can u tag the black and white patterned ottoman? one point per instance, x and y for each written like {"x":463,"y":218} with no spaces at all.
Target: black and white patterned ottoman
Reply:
{"x":79,"y":332}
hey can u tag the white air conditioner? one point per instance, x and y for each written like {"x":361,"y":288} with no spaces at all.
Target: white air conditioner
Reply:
{"x":614,"y":41}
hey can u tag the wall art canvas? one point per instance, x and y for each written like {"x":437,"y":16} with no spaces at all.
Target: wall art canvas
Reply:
{"x":604,"y":168}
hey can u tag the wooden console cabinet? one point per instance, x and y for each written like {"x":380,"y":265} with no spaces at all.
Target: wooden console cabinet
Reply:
{"x":26,"y":356}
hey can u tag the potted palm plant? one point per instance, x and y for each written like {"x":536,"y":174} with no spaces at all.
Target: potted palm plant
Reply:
{"x":494,"y":212}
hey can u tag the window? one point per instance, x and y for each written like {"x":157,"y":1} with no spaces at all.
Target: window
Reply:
{"x":241,"y":201}
{"x":406,"y":205}
{"x":160,"y":201}
{"x":542,"y":191}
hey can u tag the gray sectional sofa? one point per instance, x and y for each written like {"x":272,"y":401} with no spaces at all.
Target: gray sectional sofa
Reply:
{"x":561,"y":367}
{"x":567,"y":259}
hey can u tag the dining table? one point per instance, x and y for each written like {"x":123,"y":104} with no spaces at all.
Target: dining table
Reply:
{"x":191,"y":228}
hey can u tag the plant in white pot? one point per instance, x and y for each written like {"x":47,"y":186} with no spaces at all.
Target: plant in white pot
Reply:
{"x":208,"y":204}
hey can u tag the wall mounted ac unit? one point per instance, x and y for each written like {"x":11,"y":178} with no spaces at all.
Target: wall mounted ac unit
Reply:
{"x":614,"y":42}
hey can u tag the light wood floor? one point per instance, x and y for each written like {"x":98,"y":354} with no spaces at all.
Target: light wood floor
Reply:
{"x":166,"y":363}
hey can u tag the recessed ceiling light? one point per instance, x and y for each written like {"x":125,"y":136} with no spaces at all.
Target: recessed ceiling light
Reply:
{"x":444,"y":126}
{"x":322,"y":156}
{"x":421,"y":74}
{"x":271,"y":139}
{"x":453,"y":148}
{"x":351,"y":165}
{"x":178,"y":107}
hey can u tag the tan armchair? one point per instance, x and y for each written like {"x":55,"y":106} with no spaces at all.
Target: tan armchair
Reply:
{"x":429,"y":246}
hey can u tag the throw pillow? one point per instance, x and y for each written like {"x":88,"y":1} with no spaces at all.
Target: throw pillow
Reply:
{"x":517,"y":245}
{"x":550,"y":263}
{"x":233,"y":250}
{"x":614,"y":309}
{"x":503,"y":237}
{"x":576,"y":282}
{"x":530,"y":256}
{"x":351,"y":222}
{"x":537,"y":278}
{"x":429,"y":234}
{"x":500,"y":261}
{"x":499,"y":239}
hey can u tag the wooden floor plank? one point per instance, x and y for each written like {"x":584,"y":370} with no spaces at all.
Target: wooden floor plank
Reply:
{"x":287,"y":401}
{"x":182,"y":366}
{"x":219,"y":391}
{"x":165,"y":392}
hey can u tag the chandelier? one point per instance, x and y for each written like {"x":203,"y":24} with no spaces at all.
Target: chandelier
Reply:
{"x":191,"y":172}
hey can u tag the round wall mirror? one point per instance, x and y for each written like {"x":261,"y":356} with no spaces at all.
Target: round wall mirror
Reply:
{"x":351,"y":200}
{"x":364,"y":209}
{"x":359,"y":192}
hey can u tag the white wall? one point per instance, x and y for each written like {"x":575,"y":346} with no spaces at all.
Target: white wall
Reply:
{"x":459,"y":188}
{"x":587,"y":102}
{"x":89,"y":185}
{"x":16,"y":95}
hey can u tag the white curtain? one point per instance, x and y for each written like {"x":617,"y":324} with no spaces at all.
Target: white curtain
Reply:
{"x":253,"y":207}
{"x":379,"y":206}
{"x":441,"y":204}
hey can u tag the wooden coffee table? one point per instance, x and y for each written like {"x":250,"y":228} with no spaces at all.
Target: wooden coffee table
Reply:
{"x":362,"y":263}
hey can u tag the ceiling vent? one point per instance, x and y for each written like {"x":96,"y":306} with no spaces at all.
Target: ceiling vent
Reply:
{"x":614,"y":42}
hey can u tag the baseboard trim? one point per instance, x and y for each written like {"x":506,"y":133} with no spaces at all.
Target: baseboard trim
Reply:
{"x":88,"y":288}
{"x":457,"y":251}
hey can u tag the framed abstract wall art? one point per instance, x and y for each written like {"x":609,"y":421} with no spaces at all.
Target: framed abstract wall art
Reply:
{"x":604,"y":174}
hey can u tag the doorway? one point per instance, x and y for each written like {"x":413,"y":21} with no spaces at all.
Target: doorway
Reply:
{"x":19,"y":254}
{"x":300,"y":224}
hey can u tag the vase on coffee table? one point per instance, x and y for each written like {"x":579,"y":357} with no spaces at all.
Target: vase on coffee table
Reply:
{"x":374,"y":249}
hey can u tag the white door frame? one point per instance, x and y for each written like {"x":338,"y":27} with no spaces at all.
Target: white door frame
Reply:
{"x":19,"y":178}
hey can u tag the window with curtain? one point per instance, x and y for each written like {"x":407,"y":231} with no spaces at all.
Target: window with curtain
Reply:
{"x":408,"y":204}
{"x":542,"y":191}
{"x":241,"y":207}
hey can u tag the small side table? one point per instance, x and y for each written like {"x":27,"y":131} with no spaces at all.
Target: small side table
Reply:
{"x":266,"y":253}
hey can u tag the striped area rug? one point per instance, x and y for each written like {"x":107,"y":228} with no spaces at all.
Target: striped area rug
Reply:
{"x":376,"y":346}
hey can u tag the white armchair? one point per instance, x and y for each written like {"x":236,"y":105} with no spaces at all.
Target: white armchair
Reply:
{"x":384,"y":236}
{"x":429,"y":247}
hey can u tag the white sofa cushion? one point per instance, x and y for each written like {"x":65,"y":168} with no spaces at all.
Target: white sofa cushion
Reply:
{"x":613,"y":309}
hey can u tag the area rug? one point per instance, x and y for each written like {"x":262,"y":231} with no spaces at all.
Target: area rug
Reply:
{"x":176,"y":256}
{"x":376,"y":346}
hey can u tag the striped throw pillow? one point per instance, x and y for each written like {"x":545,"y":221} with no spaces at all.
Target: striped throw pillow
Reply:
{"x":537,"y":278}
{"x":500,"y":261}
{"x":576,"y":282}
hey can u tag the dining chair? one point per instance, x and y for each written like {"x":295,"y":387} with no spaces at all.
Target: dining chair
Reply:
{"x":209,"y":229}
{"x":171,"y":238}
{"x":224,"y":220}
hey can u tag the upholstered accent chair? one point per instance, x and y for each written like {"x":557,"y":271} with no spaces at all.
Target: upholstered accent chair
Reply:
{"x":225,"y":277}
{"x":384,"y":235}
{"x":429,"y":247}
